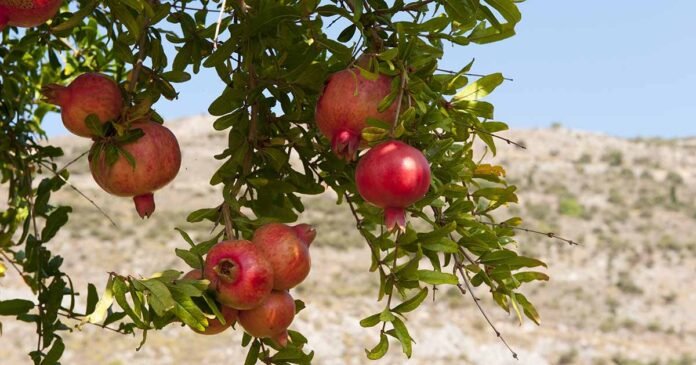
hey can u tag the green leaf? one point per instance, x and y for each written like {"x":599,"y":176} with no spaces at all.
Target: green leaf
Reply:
{"x":437,"y":278}
{"x":190,"y":258}
{"x":371,"y":321}
{"x":103,"y":305}
{"x":92,"y":298}
{"x":403,"y":336}
{"x":380,"y":350}
{"x":412,"y":303}
{"x":253,"y":354}
{"x":15,"y":307}
{"x":480,"y":88}
{"x":54,"y":354}
{"x":529,"y":309}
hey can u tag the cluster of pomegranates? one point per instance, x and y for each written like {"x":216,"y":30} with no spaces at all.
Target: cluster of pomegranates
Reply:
{"x":251,"y":279}
{"x":391,"y":175}
{"x":27,"y":13}
{"x":156,"y":153}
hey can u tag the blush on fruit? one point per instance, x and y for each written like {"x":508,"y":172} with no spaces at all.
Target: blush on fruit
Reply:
{"x":287,"y":250}
{"x":239,"y":273}
{"x":27,"y":13}
{"x":392,"y":176}
{"x":271,"y":319}
{"x":214,"y":325}
{"x":89,"y":93}
{"x":157,"y":162}
{"x":346,"y":103}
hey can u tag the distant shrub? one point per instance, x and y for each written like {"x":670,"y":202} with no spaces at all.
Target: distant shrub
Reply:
{"x":613,"y":158}
{"x":584,"y":159}
{"x":571,"y":207}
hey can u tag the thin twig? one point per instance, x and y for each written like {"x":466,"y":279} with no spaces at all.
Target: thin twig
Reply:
{"x":529,"y":230}
{"x":508,"y":141}
{"x":74,"y":160}
{"x":219,"y":24}
{"x":404,"y":77}
{"x":469,"y":74}
{"x":14,"y":265}
{"x":141,"y":57}
{"x":465,"y":278}
{"x":70,"y":316}
{"x":81,"y":193}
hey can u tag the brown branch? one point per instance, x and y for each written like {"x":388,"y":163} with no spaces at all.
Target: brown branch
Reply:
{"x":13,"y":263}
{"x":228,"y":220}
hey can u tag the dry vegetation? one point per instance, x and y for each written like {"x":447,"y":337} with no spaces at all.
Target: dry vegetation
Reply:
{"x":624,"y":297}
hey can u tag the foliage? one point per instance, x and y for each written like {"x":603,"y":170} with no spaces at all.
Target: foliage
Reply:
{"x":272,"y":58}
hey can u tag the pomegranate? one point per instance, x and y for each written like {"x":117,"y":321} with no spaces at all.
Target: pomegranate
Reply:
{"x":214,"y":325}
{"x":27,"y":13}
{"x":89,"y":93}
{"x":157,"y":161}
{"x":392,"y":176}
{"x":239,"y":273}
{"x":287,"y":249}
{"x":346,"y":103}
{"x":271,"y":319}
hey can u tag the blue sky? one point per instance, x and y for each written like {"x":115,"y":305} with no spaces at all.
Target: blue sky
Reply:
{"x":621,"y":67}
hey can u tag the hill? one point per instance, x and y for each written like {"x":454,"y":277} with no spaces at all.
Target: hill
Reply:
{"x":622,"y":297}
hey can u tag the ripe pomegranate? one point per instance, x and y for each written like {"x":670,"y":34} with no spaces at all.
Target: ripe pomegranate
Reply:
{"x":89,"y":93}
{"x":239,"y":273}
{"x":157,"y":161}
{"x":271,"y":319}
{"x":287,"y":249}
{"x":27,"y":13}
{"x":214,"y":325}
{"x":392,"y":176}
{"x":347,"y":101}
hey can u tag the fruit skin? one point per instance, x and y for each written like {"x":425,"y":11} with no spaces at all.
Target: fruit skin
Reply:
{"x":27,"y":13}
{"x":157,"y":162}
{"x":271,"y":319}
{"x":239,"y":273}
{"x":89,"y":93}
{"x":392,"y":176}
{"x":214,"y":325}
{"x":287,"y":249}
{"x":346,"y":103}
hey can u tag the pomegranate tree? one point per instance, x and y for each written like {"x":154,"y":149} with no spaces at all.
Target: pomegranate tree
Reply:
{"x":27,"y":13}
{"x":271,"y":319}
{"x":287,"y":249}
{"x":156,"y":160}
{"x":348,"y":100}
{"x":392,"y":176}
{"x":239,"y":273}
{"x":89,"y":93}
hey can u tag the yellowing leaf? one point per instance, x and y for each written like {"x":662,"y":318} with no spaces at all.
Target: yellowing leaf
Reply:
{"x":487,"y":169}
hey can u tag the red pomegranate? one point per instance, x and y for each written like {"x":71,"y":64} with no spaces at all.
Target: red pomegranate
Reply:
{"x":346,"y":103}
{"x":214,"y":325}
{"x":239,"y":273}
{"x":271,"y":319}
{"x":89,"y":93}
{"x":287,"y":249}
{"x":157,"y":161}
{"x":392,"y":176}
{"x":27,"y":13}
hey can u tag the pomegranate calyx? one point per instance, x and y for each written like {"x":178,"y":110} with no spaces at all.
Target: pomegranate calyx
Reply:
{"x":305,"y":232}
{"x":395,"y":218}
{"x":345,"y":144}
{"x":145,"y":205}
{"x":227,"y":270}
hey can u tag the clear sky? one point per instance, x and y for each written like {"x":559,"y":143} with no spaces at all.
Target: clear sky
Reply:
{"x":622,"y":67}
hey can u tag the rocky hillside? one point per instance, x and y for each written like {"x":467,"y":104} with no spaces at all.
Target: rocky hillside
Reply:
{"x":624,"y":296}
